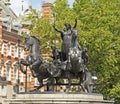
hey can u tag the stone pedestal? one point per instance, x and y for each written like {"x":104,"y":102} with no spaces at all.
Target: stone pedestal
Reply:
{"x":58,"y":98}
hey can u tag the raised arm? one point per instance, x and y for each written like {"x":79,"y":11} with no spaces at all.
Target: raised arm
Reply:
{"x":60,"y":31}
{"x":75,"y":23}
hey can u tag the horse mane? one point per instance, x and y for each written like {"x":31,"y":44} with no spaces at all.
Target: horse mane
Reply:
{"x":36,"y":39}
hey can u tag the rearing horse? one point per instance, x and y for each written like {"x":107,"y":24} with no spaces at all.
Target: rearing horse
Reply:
{"x":39,"y":68}
{"x":33,"y":60}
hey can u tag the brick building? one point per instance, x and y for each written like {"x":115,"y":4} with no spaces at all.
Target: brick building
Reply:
{"x":47,"y":10}
{"x":10,"y":48}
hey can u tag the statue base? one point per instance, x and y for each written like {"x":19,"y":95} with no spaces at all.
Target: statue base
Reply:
{"x":57,"y":98}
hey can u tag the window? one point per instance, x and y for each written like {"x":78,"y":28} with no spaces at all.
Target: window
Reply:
{"x":9,"y":49}
{"x":9,"y":23}
{"x":15,"y":74}
{"x":2,"y":49}
{"x":22,"y":54}
{"x":22,"y":77}
{"x":36,"y":83}
{"x":8,"y":70}
{"x":2,"y":71}
{"x":2,"y":68}
{"x":9,"y":27}
{"x":16,"y":51}
{"x":8,"y":74}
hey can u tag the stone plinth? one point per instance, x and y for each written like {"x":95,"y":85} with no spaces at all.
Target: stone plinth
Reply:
{"x":58,"y":98}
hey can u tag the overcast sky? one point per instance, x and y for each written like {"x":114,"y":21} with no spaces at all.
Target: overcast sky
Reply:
{"x":16,"y":5}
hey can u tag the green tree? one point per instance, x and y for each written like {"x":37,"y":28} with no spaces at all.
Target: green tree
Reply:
{"x":99,"y":32}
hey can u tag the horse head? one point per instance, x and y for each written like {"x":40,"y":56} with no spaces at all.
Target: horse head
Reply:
{"x":30,"y":41}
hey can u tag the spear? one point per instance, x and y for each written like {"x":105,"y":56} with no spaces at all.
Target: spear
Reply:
{"x":54,"y":20}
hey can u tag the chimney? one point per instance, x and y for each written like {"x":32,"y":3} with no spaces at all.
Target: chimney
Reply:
{"x":0,"y":23}
{"x":47,"y":10}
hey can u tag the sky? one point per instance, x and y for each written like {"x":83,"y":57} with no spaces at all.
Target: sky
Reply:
{"x":16,"y":5}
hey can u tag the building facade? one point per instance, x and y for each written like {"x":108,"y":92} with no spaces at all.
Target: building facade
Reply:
{"x":11,"y":49}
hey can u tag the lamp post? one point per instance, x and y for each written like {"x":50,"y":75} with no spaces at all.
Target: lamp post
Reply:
{"x":26,"y":81}
{"x":18,"y":60}
{"x":18,"y":26}
{"x":54,"y":20}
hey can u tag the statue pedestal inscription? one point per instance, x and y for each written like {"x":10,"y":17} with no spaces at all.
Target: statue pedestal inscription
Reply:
{"x":58,"y":98}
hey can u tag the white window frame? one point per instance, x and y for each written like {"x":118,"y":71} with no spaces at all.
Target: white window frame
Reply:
{"x":2,"y":68}
{"x":2,"y":48}
{"x":22,"y":78}
{"x":9,"y":49}
{"x":16,"y":51}
{"x":36,"y":83}
{"x":2,"y":71}
{"x":15,"y":74}
{"x":8,"y":73}
{"x":22,"y":53}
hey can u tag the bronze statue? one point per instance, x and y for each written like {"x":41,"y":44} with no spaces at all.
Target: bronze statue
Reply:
{"x":56,"y":53}
{"x":66,"y":36}
{"x":70,"y":62}
{"x":73,"y":54}
{"x":39,"y":68}
{"x":85,"y":56}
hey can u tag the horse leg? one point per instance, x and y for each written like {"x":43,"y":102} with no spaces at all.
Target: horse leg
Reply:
{"x":23,"y":62}
{"x":69,"y":82}
{"x":33,"y":67}
{"x":50,"y":84}
{"x":82,"y":81}
{"x":40,"y":80}
{"x":33,"y":73}
{"x":56,"y":80}
{"x":89,"y":85}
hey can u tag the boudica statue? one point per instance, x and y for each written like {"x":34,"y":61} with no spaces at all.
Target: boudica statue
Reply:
{"x":69,"y":62}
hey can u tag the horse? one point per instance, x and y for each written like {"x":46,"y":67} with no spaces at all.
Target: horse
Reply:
{"x":39,"y":67}
{"x":73,"y":68}
{"x":78,"y":60}
{"x":43,"y":69}
{"x":75,"y":63}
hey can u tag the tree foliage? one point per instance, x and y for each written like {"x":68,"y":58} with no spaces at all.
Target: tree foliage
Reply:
{"x":41,"y":28}
{"x":100,"y":33}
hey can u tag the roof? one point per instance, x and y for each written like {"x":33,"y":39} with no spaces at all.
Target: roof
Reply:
{"x":6,"y":10}
{"x":47,"y":4}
